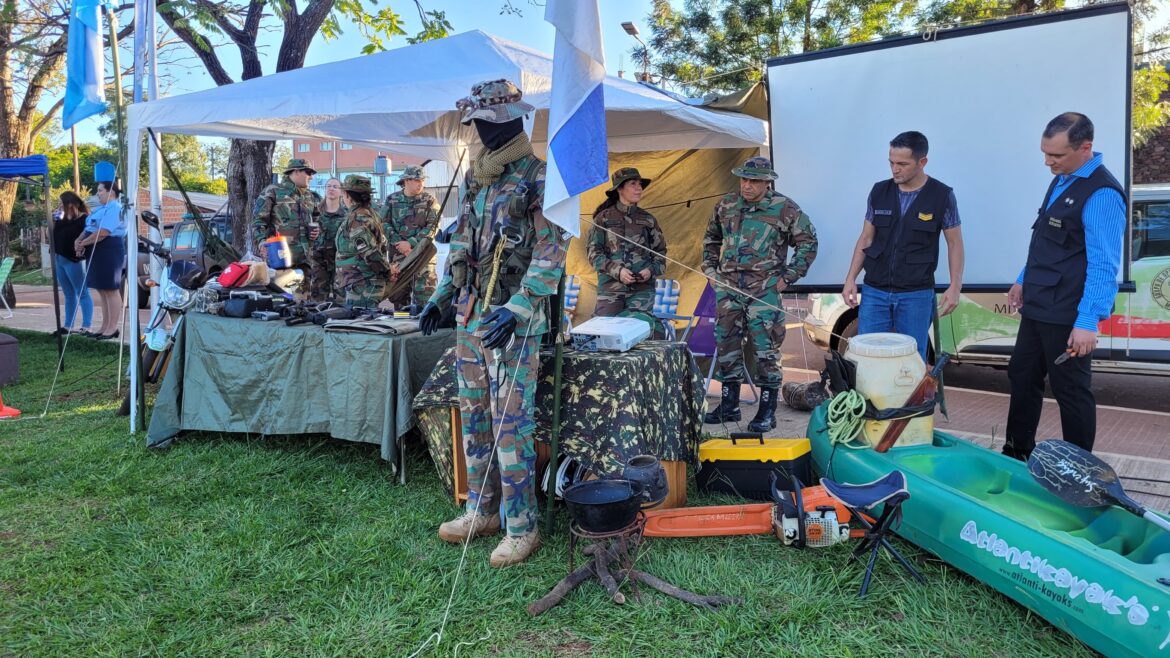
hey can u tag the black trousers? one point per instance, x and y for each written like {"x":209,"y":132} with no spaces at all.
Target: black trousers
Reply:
{"x":1037,"y":346}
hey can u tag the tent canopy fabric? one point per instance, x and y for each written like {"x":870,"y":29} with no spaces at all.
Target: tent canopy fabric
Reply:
{"x":404,"y":100}
{"x":33,"y":165}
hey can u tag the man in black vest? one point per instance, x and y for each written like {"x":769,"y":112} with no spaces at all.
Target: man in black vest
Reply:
{"x":1066,"y":288}
{"x":898,"y":247}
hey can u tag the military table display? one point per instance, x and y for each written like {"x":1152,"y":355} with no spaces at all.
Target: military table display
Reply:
{"x":236,"y":375}
{"x":614,"y":406}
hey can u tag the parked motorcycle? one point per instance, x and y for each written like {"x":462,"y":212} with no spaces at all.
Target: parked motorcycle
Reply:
{"x":177,"y":293}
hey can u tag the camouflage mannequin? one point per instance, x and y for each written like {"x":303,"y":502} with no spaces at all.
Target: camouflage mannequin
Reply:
{"x":410,"y":215}
{"x":745,"y":250}
{"x":290,"y":209}
{"x":501,"y":230}
{"x":361,"y":261}
{"x":332,"y":212}
{"x":627,"y":249}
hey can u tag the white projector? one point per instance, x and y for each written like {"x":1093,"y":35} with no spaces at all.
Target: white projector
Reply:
{"x":609,"y":334}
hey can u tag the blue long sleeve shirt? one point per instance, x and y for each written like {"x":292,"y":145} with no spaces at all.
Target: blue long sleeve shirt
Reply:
{"x":1104,"y":220}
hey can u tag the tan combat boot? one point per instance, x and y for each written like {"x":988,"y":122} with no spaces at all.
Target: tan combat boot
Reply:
{"x":514,"y":550}
{"x":470,"y":523}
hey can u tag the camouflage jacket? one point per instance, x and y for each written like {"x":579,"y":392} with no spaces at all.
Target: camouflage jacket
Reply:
{"x":746,"y":244}
{"x":330,"y":222}
{"x":361,"y":249}
{"x":532,"y":264}
{"x":609,"y":252}
{"x":409,"y":219}
{"x":283,"y":208}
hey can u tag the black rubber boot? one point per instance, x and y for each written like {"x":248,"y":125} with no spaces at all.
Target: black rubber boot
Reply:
{"x":766,"y":413}
{"x":728,"y":408}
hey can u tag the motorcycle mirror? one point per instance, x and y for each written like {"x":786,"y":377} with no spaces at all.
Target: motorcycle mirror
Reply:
{"x":150,"y":218}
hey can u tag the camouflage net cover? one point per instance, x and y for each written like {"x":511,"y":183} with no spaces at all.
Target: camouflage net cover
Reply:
{"x":614,"y":406}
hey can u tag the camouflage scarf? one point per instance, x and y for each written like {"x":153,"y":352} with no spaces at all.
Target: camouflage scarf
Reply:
{"x":489,"y":165}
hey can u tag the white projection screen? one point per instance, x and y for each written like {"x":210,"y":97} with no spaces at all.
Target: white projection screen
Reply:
{"x":982,"y":95}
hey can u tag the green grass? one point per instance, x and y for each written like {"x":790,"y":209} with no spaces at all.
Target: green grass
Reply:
{"x":307,"y":546}
{"x":32,"y":277}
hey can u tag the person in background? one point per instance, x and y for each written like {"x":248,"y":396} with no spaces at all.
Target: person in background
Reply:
{"x":332,"y":212}
{"x":628,"y":250}
{"x":289,"y":208}
{"x":70,"y":266}
{"x":106,"y":232}
{"x":745,"y":256}
{"x":362,"y":263}
{"x":899,"y":247}
{"x":1066,"y":288}
{"x":410,"y":215}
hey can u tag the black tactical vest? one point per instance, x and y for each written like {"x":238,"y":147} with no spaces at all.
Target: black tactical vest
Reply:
{"x":904,"y":251}
{"x":1054,"y":279}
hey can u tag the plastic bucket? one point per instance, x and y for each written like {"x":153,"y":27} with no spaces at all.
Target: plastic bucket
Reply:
{"x":889,"y":368}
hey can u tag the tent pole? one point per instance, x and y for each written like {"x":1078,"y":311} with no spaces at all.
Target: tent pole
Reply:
{"x":53,"y":267}
{"x":555,"y":439}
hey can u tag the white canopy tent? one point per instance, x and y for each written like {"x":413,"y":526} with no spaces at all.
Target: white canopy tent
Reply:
{"x":403,"y":101}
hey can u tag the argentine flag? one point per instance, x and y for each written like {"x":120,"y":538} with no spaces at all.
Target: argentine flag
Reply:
{"x":85,"y":64}
{"x":578,"y":157}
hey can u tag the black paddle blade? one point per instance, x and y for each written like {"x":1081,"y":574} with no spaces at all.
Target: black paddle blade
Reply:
{"x":1077,"y":476}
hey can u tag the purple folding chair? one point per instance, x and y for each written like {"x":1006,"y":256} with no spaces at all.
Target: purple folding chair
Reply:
{"x":700,"y":337}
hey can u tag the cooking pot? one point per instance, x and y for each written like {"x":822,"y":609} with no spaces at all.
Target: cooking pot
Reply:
{"x":647,"y":470}
{"x":604,"y":505}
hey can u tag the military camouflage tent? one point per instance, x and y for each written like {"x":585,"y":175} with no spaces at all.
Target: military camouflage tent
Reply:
{"x":403,"y":101}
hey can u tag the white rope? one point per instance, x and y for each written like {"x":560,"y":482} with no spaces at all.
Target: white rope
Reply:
{"x":437,"y":637}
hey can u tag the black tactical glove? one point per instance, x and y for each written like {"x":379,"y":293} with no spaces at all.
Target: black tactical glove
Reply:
{"x":503,"y":325}
{"x":428,"y":320}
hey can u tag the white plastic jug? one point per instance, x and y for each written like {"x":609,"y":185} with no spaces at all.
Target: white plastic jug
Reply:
{"x":889,"y":368}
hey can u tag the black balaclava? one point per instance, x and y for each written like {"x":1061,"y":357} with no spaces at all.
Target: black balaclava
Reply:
{"x":495,"y":135}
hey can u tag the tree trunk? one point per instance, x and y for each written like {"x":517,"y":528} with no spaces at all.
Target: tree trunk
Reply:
{"x":249,"y":171}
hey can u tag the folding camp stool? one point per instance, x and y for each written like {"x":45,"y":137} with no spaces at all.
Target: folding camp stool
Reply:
{"x":889,"y":492}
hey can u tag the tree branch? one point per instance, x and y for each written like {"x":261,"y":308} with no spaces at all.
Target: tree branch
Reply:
{"x":206,"y":55}
{"x":49,"y":115}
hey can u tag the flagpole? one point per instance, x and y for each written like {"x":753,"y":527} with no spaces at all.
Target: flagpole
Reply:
{"x":76,"y":167}
{"x":120,"y":118}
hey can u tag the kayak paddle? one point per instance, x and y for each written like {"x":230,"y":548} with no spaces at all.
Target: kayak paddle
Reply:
{"x":1082,"y":479}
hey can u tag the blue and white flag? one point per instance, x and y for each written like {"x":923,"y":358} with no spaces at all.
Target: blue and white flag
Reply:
{"x":578,"y":155}
{"x":85,"y":64}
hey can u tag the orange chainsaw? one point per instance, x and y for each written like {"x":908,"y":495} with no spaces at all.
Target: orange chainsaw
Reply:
{"x":804,"y":516}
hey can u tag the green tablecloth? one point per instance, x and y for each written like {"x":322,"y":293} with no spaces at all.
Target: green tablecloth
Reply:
{"x":235,"y":375}
{"x":614,"y":406}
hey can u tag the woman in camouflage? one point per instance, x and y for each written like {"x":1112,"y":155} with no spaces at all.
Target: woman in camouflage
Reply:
{"x":362,"y":266}
{"x":333,"y":213}
{"x":628,"y":250}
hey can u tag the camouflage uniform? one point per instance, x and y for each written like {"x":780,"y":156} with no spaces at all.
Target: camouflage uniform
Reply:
{"x":325,"y":254}
{"x":411,"y":219}
{"x":746,"y":247}
{"x":643,"y":248}
{"x":362,"y":265}
{"x":497,"y":388}
{"x":290,"y":211}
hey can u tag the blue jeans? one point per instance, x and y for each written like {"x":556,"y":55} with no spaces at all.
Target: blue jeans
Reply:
{"x":71,"y":277}
{"x":898,"y":312}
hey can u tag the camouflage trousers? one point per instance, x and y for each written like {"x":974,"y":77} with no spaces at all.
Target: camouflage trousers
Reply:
{"x":739,"y":318}
{"x":497,"y":394}
{"x":634,"y":304}
{"x":424,"y":285}
{"x":322,"y":275}
{"x":358,"y":287}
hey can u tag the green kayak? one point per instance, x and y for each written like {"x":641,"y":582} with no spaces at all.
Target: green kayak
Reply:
{"x":1100,"y":574}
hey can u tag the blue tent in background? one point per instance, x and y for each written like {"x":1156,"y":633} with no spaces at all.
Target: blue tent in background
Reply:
{"x":34,"y":170}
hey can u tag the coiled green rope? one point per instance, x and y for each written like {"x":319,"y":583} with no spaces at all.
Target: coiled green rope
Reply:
{"x":846,"y":415}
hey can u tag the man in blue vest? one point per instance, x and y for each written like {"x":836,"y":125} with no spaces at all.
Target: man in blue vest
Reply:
{"x":898,"y":247}
{"x":1066,"y":288}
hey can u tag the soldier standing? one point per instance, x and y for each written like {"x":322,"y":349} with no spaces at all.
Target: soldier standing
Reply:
{"x":505,"y":262}
{"x":361,"y":262}
{"x":289,"y":208}
{"x":627,"y":249}
{"x":410,"y":215}
{"x":745,"y":255}
{"x":332,"y":212}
